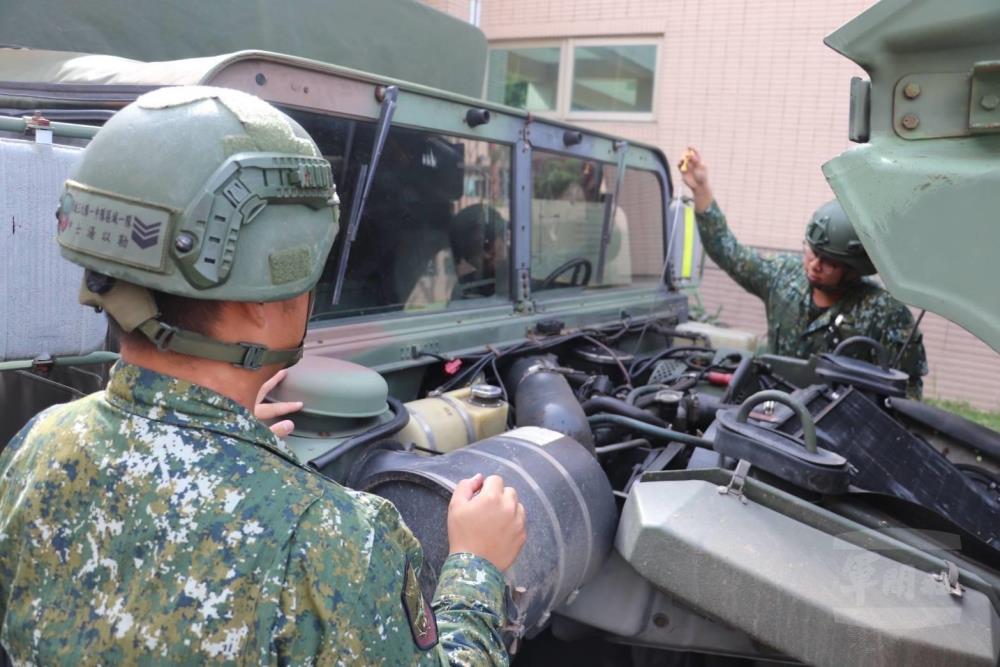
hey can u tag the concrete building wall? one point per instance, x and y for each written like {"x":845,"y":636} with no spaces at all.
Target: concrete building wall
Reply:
{"x":751,"y":84}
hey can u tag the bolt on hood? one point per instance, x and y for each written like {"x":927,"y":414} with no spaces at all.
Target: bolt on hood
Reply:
{"x":923,"y":188}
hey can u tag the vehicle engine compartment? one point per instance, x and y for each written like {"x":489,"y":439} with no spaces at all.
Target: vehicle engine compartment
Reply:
{"x":580,"y":421}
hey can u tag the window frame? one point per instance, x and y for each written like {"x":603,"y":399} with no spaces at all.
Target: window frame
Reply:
{"x":564,"y":81}
{"x":530,"y":44}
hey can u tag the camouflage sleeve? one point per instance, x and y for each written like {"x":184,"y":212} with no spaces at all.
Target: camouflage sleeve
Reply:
{"x":10,"y":491}
{"x":745,"y":265}
{"x":468,"y":604}
{"x":351,"y":595}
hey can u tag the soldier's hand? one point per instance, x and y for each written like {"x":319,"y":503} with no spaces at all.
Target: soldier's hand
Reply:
{"x":265,"y":411}
{"x":485,"y":519}
{"x":693,"y":170}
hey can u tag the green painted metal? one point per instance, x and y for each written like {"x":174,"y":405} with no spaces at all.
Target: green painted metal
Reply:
{"x":334,"y":388}
{"x":787,"y":572}
{"x":398,"y":38}
{"x":391,"y":343}
{"x":99,"y":357}
{"x":73,"y":130}
{"x":924,"y":190}
{"x":121,"y":80}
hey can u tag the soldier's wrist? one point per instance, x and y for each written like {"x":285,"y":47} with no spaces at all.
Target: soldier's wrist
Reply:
{"x":469,"y":559}
{"x":703,"y":199}
{"x":462,"y":570}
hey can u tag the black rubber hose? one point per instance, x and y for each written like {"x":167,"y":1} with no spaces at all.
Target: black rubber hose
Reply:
{"x":616,"y":406}
{"x":746,"y":361}
{"x":543,"y":397}
{"x":955,"y":426}
{"x":400,"y":419}
{"x":654,"y":432}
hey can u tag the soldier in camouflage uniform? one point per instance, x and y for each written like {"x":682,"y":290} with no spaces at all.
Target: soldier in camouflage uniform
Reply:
{"x":159,"y":521}
{"x":815,"y":301}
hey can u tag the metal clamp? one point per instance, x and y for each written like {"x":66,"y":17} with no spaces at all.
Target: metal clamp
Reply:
{"x":41,"y":126}
{"x":736,"y":484}
{"x":808,"y":426}
{"x":880,"y":352}
{"x":949,"y":577}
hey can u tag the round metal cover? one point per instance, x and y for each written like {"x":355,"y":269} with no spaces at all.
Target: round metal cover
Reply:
{"x":334,"y":388}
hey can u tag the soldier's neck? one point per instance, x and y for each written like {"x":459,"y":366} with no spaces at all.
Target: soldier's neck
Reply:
{"x":238,"y":384}
{"x":824,"y":298}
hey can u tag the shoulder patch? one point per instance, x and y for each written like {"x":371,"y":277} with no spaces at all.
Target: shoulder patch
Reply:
{"x":419,"y":614}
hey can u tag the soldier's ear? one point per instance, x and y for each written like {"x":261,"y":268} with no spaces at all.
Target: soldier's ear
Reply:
{"x":243,"y":315}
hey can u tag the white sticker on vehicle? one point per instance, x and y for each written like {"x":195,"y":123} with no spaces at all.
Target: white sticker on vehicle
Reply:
{"x":535,"y":435}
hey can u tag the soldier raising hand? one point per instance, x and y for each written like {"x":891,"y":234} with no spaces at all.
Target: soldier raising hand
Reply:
{"x":819,"y":299}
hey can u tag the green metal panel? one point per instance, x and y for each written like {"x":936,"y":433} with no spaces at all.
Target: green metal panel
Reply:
{"x":404,"y":39}
{"x":923,"y":192}
{"x":810,"y":584}
{"x":390,"y":343}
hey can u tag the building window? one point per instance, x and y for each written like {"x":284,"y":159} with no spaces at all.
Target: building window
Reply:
{"x":586,"y":79}
{"x":525,"y":78}
{"x":613,"y":78}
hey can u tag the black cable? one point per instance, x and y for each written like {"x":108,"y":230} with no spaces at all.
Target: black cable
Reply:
{"x":909,"y":338}
{"x":618,"y":362}
{"x":399,"y":420}
{"x":648,"y":362}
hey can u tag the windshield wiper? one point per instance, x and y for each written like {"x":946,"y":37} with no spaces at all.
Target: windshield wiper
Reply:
{"x":366,"y":174}
{"x":621,"y":147}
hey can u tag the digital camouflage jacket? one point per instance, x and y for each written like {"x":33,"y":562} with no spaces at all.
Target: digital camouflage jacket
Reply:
{"x":159,"y":522}
{"x":796,"y":327}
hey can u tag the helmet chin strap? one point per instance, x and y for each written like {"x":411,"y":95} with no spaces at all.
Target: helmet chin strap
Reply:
{"x":134,"y":309}
{"x":250,"y":356}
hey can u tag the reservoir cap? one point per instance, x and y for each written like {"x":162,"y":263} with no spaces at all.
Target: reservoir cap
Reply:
{"x":334,"y":388}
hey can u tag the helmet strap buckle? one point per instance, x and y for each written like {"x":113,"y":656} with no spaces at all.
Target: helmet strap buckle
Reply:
{"x":163,"y":335}
{"x":253,"y":357}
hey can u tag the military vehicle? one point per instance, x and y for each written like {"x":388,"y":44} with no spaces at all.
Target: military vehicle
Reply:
{"x":507,"y":295}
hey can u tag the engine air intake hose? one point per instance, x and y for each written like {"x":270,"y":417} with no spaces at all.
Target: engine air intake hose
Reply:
{"x":543,"y":397}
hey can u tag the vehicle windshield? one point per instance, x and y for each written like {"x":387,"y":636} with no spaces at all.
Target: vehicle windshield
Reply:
{"x":570,"y":197}
{"x":434,"y":232}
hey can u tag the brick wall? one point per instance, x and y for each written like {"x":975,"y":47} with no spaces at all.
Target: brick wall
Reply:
{"x":751,"y":84}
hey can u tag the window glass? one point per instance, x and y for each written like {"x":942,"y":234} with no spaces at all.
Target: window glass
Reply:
{"x":524,"y":78}
{"x":570,"y":199}
{"x":613,"y":78}
{"x":435,"y":227}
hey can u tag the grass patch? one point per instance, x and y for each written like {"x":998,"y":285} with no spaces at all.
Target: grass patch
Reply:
{"x":984,"y":417}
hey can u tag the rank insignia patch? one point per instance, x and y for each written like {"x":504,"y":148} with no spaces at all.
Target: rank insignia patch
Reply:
{"x":423,"y":625}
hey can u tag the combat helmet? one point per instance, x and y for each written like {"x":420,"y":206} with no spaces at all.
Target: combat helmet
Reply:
{"x":205,"y":193}
{"x":831,"y":236}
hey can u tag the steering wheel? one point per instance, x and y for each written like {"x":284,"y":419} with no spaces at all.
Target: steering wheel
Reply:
{"x":581,"y":269}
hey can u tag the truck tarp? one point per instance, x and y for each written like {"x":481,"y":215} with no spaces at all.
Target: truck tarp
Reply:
{"x":401,"y":39}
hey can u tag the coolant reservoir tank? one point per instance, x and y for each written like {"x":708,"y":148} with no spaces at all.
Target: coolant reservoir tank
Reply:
{"x":721,"y":337}
{"x":455,"y":419}
{"x":340,"y":399}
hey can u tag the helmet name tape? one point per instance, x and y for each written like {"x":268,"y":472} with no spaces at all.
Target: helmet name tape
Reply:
{"x":106,"y":225}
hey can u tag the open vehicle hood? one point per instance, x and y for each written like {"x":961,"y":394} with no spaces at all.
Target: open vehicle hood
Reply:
{"x":923,"y":188}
